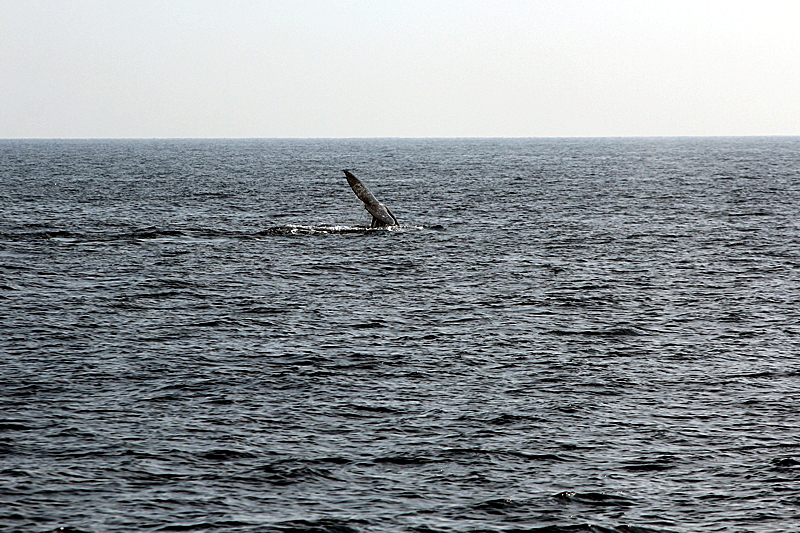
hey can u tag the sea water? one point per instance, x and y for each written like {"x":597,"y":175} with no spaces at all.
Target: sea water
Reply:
{"x":563,"y":335}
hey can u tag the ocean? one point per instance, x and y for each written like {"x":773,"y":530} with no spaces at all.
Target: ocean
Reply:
{"x":562,"y":335}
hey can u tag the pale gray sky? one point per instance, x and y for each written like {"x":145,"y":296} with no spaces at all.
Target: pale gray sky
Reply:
{"x":385,"y":68}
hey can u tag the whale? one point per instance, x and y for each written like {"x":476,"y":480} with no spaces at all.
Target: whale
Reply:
{"x":381,"y":215}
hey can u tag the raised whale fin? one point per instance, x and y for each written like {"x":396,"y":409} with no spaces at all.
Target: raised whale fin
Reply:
{"x":381,"y":216}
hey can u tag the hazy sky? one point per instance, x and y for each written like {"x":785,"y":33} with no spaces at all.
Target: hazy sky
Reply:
{"x":385,"y":68}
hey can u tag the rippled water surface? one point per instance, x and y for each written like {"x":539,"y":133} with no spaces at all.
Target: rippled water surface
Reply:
{"x":597,"y":335}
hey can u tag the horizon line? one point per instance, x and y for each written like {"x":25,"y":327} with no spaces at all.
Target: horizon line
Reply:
{"x":396,"y":137}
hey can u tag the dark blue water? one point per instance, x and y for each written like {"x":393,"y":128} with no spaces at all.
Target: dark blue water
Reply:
{"x":586,"y":335}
